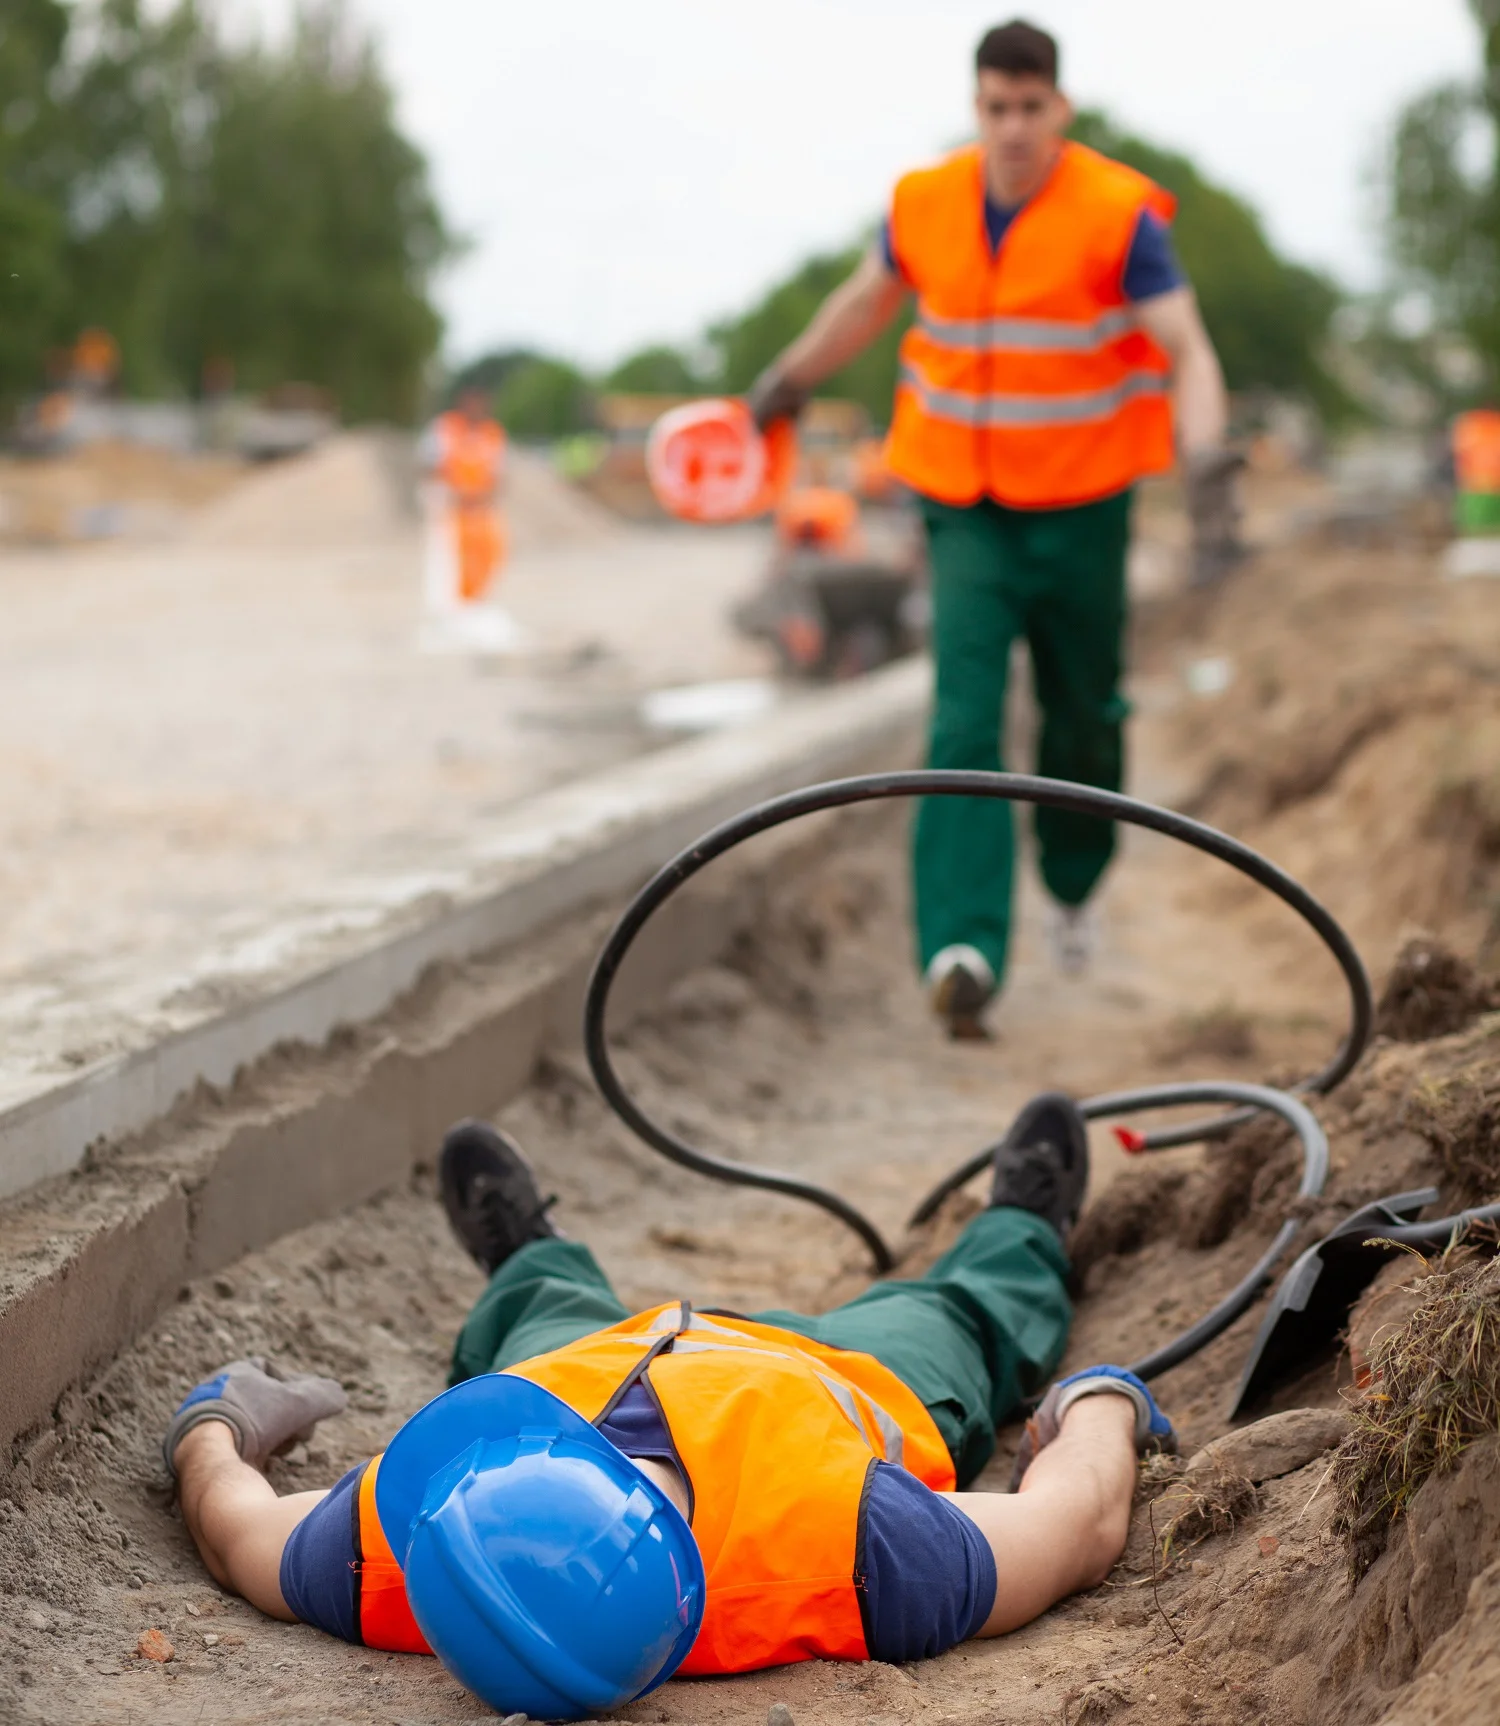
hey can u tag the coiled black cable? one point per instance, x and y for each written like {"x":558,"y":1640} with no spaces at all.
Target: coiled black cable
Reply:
{"x":1056,"y":794}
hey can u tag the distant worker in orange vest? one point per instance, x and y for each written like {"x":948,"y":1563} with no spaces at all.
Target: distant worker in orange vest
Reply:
{"x":819,"y":518}
{"x":462,"y":456}
{"x":1057,"y":347}
{"x":604,"y":1498}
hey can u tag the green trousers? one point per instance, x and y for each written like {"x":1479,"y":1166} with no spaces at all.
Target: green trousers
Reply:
{"x":981,"y":1330}
{"x":1056,"y":576}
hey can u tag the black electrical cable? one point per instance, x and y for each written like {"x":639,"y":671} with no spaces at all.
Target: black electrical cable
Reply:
{"x":1056,"y":794}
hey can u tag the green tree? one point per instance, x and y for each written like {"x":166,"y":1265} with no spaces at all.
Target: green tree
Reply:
{"x":1269,"y":318}
{"x":747,"y":344}
{"x":656,"y":371}
{"x":32,"y":36}
{"x":545,"y":398}
{"x":203,"y":198}
{"x":1443,"y":201}
{"x":313,"y":230}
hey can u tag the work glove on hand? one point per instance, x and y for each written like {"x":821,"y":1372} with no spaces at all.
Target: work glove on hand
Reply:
{"x":773,"y":397}
{"x":1153,"y":1431}
{"x":1214,"y":510}
{"x":267,"y":1412}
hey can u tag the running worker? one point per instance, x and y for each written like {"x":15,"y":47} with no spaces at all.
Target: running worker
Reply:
{"x":1056,"y":346}
{"x":606,"y":1498}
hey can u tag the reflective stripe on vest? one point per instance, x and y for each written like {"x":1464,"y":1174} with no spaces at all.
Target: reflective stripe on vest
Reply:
{"x":1059,"y":410}
{"x":1025,"y":376}
{"x":775,"y":1436}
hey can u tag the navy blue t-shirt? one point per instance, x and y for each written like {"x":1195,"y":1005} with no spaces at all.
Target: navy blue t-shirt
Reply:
{"x":925,"y":1574}
{"x":1151,"y":265}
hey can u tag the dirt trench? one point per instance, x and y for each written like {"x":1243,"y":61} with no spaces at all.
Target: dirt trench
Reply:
{"x":810,"y":1049}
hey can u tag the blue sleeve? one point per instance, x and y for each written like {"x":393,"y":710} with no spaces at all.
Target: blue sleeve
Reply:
{"x":1151,"y":265}
{"x":925,"y":1574}
{"x":320,"y":1562}
{"x":888,"y":252}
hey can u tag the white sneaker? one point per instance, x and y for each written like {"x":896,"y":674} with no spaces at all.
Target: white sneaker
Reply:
{"x":1073,"y":934}
{"x":960,"y":985}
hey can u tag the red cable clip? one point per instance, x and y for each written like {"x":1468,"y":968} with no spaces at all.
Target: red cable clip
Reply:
{"x":1131,"y":1141}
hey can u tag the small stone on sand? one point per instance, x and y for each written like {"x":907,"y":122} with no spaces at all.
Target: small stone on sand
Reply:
{"x":154,"y":1645}
{"x":778,"y":1714}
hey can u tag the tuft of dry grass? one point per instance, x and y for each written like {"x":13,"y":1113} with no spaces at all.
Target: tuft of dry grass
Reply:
{"x":1459,"y":1117}
{"x":1195,"y":1506}
{"x":1434,"y":1389}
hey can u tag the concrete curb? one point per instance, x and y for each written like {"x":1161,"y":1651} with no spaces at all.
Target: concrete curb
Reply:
{"x":328,"y":1085}
{"x":537,"y":862}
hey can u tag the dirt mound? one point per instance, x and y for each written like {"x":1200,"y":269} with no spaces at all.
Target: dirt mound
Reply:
{"x":1431,"y":991}
{"x":1358,"y":738}
{"x":108,"y":488}
{"x":352,"y":490}
{"x":545,"y":512}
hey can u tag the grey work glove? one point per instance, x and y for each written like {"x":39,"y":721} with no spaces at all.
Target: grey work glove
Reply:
{"x":267,"y":1412}
{"x":1153,"y":1431}
{"x":1213,"y":504}
{"x":773,"y":397}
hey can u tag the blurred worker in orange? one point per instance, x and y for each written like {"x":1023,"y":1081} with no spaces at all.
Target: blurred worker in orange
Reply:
{"x":462,"y":457}
{"x":96,"y":362}
{"x":819,"y":518}
{"x":1057,"y":357}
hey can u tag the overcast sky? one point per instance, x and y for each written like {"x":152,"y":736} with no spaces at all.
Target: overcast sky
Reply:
{"x":629,"y":169}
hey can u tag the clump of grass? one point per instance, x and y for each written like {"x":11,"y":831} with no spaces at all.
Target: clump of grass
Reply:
{"x":1197,"y":1505}
{"x":1459,"y":1117}
{"x":1434,"y":1390}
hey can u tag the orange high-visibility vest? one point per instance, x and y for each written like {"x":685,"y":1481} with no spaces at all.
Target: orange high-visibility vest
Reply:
{"x":1025,"y":377}
{"x":470,"y":459}
{"x":820,"y":516}
{"x":470,"y":456}
{"x":775,"y":1436}
{"x":1476,"y":450}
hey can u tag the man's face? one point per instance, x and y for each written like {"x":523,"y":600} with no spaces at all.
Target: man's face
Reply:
{"x":1022,"y":119}
{"x":473,"y":405}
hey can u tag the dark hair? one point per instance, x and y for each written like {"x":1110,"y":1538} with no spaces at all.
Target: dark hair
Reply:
{"x":1020,"y":49}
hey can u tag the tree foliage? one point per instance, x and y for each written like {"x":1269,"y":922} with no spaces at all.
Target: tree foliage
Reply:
{"x":544,"y":398}
{"x":1443,"y":209}
{"x":1268,"y":318}
{"x":207,"y":200}
{"x":747,"y":344}
{"x":658,"y":371}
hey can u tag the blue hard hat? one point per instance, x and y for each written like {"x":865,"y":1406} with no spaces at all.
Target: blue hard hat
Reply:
{"x":546,"y":1571}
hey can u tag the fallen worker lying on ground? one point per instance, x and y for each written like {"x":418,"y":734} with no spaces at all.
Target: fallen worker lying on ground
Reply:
{"x":606,"y":1499}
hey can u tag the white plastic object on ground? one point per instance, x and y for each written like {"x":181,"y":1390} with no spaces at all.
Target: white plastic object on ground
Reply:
{"x":710,"y":706}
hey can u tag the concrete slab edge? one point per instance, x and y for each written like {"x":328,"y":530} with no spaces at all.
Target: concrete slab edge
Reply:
{"x":89,"y":1261}
{"x":549,"y":855}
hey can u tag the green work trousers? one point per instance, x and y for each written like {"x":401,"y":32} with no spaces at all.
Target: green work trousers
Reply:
{"x":981,"y":1330}
{"x":1056,"y":576}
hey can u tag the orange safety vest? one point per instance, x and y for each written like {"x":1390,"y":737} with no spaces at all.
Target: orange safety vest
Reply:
{"x":1476,"y":450}
{"x":469,"y":463}
{"x":776,"y":1437}
{"x":818,"y":515}
{"x":1024,"y":377}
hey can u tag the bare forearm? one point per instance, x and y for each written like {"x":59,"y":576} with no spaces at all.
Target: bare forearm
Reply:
{"x":1200,"y":400}
{"x":1067,"y":1525}
{"x":237,"y":1521}
{"x":1173,"y":321}
{"x":844,"y":325}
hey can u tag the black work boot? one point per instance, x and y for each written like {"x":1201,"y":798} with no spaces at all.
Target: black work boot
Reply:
{"x":490,"y":1194}
{"x":1042,"y":1163}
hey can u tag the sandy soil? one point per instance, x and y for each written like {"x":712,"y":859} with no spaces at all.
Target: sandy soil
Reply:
{"x":198,"y":736}
{"x":811,"y":1050}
